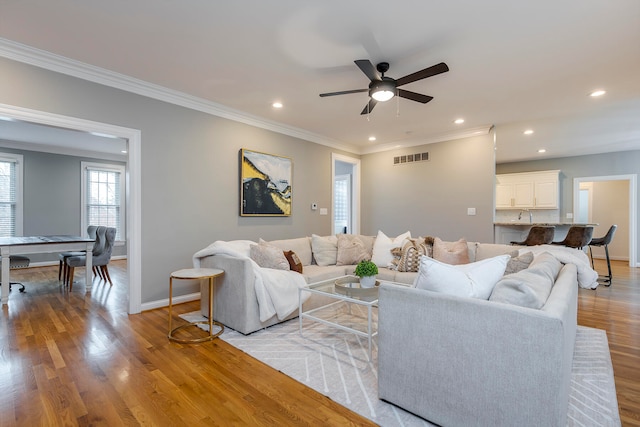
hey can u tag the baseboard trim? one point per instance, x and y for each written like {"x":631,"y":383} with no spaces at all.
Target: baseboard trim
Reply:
{"x":152,"y":305}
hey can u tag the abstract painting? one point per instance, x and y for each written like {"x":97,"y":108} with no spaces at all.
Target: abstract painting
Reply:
{"x":265,"y":184}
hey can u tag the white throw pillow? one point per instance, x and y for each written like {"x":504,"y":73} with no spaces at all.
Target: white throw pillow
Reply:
{"x":382,"y":255}
{"x":475,"y":280}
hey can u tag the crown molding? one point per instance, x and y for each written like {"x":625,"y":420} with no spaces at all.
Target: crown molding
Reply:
{"x":52,"y":62}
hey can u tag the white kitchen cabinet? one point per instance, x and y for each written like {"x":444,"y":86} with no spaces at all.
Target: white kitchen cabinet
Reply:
{"x":530,"y":190}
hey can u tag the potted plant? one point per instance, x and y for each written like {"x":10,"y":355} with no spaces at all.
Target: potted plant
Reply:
{"x":366,"y":270}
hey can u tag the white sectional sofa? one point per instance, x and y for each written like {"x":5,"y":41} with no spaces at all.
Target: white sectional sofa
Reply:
{"x":453,"y":360}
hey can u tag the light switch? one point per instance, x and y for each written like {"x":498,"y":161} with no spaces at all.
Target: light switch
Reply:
{"x":471,"y":211}
{"x":323,"y":211}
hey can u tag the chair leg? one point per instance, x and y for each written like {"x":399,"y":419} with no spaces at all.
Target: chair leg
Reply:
{"x":60,"y":270}
{"x":591,"y":256}
{"x":105,"y":272}
{"x":610,"y":276}
{"x":70,"y":277}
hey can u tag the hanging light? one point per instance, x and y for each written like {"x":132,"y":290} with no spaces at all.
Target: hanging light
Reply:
{"x":382,"y":90}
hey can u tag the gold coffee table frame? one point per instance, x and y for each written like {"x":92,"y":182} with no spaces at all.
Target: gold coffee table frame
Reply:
{"x":195,"y":274}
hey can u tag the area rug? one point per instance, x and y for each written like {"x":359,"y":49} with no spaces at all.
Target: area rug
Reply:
{"x":335,"y":363}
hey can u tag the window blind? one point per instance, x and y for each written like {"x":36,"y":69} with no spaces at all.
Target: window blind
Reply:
{"x":8,"y":197}
{"x":103,"y":198}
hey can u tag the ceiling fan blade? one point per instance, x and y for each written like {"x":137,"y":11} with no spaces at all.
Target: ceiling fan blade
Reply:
{"x":368,"y":69}
{"x":343,"y":92}
{"x":367,"y":108}
{"x":423,"y":74}
{"x":414,"y":96}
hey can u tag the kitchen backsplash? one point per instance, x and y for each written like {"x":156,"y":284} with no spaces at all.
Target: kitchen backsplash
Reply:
{"x":539,"y":215}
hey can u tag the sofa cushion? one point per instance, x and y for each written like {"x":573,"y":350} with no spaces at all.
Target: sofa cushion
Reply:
{"x":530,"y":287}
{"x":351,"y":250}
{"x":325,"y":249}
{"x":475,"y":280}
{"x":518,"y":262}
{"x":294,"y":261}
{"x":489,"y":250}
{"x":268,"y":256}
{"x":382,"y":256}
{"x":301,"y":246}
{"x":454,"y":253}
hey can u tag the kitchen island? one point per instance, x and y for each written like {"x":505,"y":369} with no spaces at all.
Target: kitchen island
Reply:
{"x":507,"y":232}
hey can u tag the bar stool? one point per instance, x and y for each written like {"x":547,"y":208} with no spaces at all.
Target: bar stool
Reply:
{"x":604,"y":241}
{"x":577,"y":237}
{"x":195,"y":274}
{"x":538,"y":235}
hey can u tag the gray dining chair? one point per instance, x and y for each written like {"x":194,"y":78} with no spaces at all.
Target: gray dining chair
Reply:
{"x":17,"y":261}
{"x":62,"y":256}
{"x":99,"y":261}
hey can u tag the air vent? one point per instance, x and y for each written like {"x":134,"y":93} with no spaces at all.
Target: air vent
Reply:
{"x":410,"y":158}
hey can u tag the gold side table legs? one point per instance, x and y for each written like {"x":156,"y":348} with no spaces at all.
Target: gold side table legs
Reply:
{"x":193,"y":274}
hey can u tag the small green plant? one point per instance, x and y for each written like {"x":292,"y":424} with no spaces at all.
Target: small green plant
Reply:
{"x":366,"y":268}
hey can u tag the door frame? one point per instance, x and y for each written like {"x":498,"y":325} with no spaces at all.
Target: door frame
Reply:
{"x":633,"y":206}
{"x":355,"y":190}
{"x":133,"y":182}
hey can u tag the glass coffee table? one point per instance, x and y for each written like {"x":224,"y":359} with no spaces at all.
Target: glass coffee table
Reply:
{"x":340,"y":294}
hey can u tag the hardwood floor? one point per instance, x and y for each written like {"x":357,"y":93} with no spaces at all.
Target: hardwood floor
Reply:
{"x":67,"y":358}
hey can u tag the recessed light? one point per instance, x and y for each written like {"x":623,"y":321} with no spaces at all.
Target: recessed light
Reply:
{"x":458,"y":121}
{"x":372,"y":138}
{"x":542,"y":150}
{"x":528,"y":132}
{"x":123,"y":151}
{"x":277,"y":105}
{"x":597,"y":93}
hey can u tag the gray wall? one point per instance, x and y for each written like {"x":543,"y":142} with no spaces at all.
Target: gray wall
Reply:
{"x":189,"y":174}
{"x":51,"y":196}
{"x":618,"y":163}
{"x":432,"y":197}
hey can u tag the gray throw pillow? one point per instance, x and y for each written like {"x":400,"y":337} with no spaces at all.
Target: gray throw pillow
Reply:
{"x":518,"y":262}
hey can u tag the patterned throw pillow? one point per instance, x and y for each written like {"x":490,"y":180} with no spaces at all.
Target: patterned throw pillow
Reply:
{"x":518,"y":262}
{"x":351,"y":250}
{"x":294,"y":262}
{"x":410,"y":254}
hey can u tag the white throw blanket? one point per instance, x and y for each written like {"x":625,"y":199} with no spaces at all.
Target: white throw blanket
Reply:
{"x":587,"y":277}
{"x":276,"y":290}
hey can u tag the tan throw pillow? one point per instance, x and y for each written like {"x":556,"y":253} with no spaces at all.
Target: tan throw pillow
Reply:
{"x":410,"y":254}
{"x":518,"y":262}
{"x":325,"y":249}
{"x":268,"y":256}
{"x":351,"y":250}
{"x":294,"y":262}
{"x":454,"y":253}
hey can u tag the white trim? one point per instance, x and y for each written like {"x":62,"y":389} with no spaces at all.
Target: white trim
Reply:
{"x":633,"y":206}
{"x":18,"y":159}
{"x":133,"y":186}
{"x":355,"y":213}
{"x":152,"y":305}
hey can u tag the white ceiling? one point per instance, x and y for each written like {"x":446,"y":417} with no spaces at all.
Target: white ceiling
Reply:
{"x":515,"y":65}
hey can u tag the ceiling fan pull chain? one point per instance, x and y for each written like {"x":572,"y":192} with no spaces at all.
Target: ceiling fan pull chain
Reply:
{"x":397,"y":105}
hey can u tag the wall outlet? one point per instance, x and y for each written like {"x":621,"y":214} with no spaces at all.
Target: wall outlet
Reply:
{"x":471,"y":211}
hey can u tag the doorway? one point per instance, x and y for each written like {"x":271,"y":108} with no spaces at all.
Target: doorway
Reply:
{"x":609,"y":200}
{"x":345,"y":194}
{"x":132,"y":186}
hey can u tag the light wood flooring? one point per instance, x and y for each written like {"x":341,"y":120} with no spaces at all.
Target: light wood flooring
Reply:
{"x":70,"y":358}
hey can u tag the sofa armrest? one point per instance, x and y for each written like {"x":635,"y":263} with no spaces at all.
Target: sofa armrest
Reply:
{"x":463,"y":361}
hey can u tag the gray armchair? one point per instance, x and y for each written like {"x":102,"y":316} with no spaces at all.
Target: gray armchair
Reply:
{"x":100,"y":260}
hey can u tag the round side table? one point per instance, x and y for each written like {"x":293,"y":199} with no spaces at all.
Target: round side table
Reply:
{"x":195,"y":274}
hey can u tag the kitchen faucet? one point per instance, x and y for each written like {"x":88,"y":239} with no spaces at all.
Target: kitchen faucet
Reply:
{"x":530,"y":215}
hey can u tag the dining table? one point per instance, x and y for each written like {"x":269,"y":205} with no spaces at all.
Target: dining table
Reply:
{"x":23,"y":245}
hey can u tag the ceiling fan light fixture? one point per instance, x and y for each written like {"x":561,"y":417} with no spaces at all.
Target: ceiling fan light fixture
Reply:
{"x":382,"y":91}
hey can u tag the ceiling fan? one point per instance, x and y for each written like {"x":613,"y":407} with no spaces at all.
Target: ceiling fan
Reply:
{"x":384,"y":88}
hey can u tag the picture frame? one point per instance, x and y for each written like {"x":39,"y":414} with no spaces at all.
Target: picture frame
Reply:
{"x":265,"y":184}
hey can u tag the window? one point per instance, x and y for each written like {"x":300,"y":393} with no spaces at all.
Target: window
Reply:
{"x":103,"y":196}
{"x":10,"y":195}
